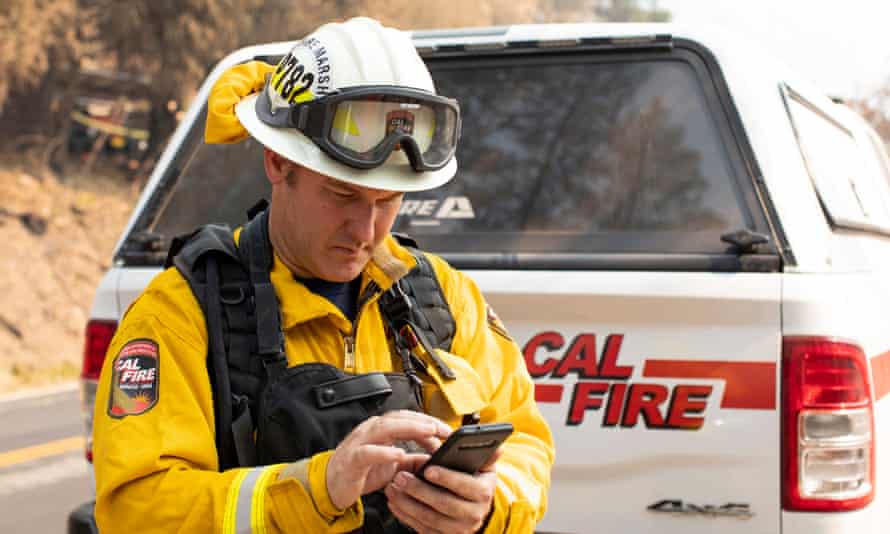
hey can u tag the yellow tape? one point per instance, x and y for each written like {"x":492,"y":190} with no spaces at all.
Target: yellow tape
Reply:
{"x":114,"y":129}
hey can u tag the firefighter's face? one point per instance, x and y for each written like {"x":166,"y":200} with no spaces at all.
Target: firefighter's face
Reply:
{"x":324,"y":228}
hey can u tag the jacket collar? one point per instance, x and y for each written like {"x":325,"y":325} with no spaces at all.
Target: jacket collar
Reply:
{"x":389,"y":262}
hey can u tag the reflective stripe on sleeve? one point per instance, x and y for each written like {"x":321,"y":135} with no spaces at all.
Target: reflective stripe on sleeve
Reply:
{"x":245,"y":503}
{"x":231,"y":501}
{"x":298,"y":470}
{"x":529,"y":489}
{"x":258,"y":515}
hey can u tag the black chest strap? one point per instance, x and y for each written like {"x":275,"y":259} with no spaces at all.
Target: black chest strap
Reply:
{"x":198,"y":257}
{"x":256,"y":253}
{"x":231,"y":285}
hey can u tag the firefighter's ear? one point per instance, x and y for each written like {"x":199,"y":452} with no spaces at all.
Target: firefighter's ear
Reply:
{"x":278,"y":168}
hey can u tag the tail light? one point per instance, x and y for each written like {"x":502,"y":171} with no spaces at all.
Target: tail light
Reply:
{"x":828,"y":426}
{"x":98,"y":338}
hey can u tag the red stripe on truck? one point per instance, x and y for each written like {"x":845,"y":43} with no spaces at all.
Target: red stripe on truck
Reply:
{"x":548,"y":393}
{"x":880,"y":372}
{"x":749,"y":385}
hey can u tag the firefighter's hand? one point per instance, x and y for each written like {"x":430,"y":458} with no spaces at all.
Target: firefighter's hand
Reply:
{"x":451,"y":502}
{"x":366,"y":460}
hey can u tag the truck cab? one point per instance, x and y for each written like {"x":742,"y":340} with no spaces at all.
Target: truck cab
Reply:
{"x":690,"y":244}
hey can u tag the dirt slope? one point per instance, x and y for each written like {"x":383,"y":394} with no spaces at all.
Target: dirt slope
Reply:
{"x":57,"y":237}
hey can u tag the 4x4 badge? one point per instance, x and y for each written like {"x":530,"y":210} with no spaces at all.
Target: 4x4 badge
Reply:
{"x":678,"y":507}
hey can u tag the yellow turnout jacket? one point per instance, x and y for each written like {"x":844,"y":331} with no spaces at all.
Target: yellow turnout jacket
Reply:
{"x":155,"y":454}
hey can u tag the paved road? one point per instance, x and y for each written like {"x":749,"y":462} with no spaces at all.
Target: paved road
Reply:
{"x":43,"y":475}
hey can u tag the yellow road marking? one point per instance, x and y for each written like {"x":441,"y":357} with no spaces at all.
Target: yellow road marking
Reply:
{"x":43,"y":450}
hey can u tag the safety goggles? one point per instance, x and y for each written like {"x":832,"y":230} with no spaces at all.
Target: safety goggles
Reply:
{"x":362,"y":126}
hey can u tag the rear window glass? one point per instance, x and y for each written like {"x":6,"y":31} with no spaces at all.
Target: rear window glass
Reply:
{"x":580,"y":158}
{"x":218,"y":184}
{"x":555,"y":157}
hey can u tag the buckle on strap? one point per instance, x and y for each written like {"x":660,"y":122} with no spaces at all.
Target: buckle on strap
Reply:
{"x":398,"y":310}
{"x":413,"y":337}
{"x":242,"y":432}
{"x":396,"y":301}
{"x":275,"y":363}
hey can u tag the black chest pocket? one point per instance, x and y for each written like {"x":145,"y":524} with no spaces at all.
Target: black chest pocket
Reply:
{"x":310,"y":408}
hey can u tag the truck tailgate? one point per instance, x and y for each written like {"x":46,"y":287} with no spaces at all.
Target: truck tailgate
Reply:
{"x":660,"y":389}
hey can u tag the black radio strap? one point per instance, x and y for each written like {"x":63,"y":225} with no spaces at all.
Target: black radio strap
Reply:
{"x":256,"y":253}
{"x":217,"y":365}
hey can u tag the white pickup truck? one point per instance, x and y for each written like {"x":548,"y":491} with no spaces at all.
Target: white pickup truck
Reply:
{"x":691,"y":245}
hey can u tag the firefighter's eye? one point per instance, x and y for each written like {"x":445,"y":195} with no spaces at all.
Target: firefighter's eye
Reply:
{"x":342,"y":194}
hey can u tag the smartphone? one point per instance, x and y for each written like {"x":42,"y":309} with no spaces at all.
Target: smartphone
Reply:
{"x":469,"y":447}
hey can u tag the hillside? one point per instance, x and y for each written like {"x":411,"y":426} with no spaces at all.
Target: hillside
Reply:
{"x":58,"y":235}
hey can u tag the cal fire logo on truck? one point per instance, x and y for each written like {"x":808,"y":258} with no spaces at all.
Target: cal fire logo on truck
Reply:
{"x":605,"y":385}
{"x":134,"y":382}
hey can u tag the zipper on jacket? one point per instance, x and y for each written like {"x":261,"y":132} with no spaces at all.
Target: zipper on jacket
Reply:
{"x":349,"y":339}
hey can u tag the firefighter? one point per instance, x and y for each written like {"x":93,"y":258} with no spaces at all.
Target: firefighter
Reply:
{"x":362,"y":353}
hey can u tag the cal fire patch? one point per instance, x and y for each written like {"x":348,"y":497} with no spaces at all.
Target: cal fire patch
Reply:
{"x":134,"y":384}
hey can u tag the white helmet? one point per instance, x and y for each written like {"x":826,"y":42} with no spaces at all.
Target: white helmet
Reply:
{"x":354,"y":101}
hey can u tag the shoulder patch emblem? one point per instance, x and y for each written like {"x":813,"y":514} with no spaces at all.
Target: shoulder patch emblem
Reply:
{"x":494,"y":322}
{"x":134,"y":382}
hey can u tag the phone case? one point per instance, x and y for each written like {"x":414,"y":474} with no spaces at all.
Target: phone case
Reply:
{"x":469,"y":447}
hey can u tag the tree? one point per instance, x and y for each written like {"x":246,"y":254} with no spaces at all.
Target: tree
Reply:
{"x":876,"y":110}
{"x":170,"y":42}
{"x":40,"y":50}
{"x":44,"y":44}
{"x":629,"y":11}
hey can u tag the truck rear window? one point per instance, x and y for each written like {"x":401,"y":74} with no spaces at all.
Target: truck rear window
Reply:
{"x":580,"y":158}
{"x":557,"y":156}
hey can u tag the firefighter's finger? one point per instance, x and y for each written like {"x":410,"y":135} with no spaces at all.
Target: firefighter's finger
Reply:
{"x":417,"y":515}
{"x":439,"y":499}
{"x":364,"y":457}
{"x":430,"y":444}
{"x":477,"y":488}
{"x":350,"y":465}
{"x":387,"y":430}
{"x":411,"y":462}
{"x":442,"y":429}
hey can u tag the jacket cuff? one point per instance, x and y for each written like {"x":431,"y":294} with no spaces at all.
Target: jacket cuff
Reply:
{"x":509,"y":516}
{"x":300,"y":500}
{"x":318,"y":487}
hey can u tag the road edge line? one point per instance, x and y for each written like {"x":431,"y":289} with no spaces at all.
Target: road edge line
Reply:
{"x":26,"y":394}
{"x":41,"y":450}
